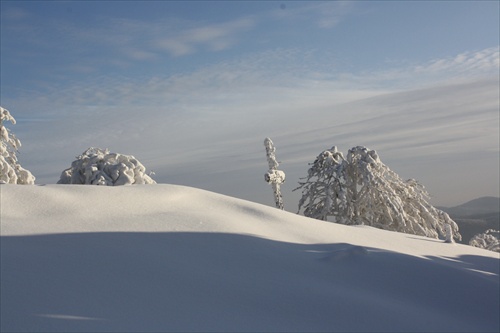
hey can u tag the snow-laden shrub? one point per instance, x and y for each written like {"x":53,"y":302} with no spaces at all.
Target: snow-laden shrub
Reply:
{"x":489,"y":240}
{"x":100,"y":167}
{"x":11,"y":171}
{"x":360,"y":189}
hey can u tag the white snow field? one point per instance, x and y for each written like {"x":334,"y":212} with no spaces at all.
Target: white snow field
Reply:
{"x":172,"y":258}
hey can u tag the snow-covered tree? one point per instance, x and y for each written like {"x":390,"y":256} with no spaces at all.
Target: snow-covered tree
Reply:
{"x":100,"y":167}
{"x":274,"y":176}
{"x":11,"y":171}
{"x":489,"y":240}
{"x":449,"y":233}
{"x":360,"y":189}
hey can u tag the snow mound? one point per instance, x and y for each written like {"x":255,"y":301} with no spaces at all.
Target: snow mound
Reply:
{"x":173,"y":258}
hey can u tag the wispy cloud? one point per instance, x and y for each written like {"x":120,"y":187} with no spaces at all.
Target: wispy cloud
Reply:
{"x":140,"y":40}
{"x":331,"y":14}
{"x":214,"y":37}
{"x":324,"y":15}
{"x":14,"y":13}
{"x":477,"y":61}
{"x":118,"y":43}
{"x":453,"y":69}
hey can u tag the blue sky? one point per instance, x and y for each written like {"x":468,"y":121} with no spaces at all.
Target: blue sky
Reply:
{"x":192,"y":88}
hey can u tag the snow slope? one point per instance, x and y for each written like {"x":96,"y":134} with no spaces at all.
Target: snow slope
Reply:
{"x":173,"y":258}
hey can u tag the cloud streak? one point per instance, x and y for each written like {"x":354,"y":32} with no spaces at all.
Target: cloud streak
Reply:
{"x":324,"y":15}
{"x":479,"y":61}
{"x":215,"y":37}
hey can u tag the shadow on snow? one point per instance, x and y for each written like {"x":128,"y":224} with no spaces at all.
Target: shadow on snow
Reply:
{"x":131,"y":281}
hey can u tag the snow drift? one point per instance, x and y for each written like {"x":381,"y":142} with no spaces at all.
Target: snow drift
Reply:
{"x":173,"y":258}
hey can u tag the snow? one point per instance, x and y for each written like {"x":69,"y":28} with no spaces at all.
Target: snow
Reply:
{"x":173,"y":258}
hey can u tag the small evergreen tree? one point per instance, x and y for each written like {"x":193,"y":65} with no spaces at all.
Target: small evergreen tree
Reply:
{"x":11,"y":171}
{"x":100,"y":167}
{"x":360,"y":189}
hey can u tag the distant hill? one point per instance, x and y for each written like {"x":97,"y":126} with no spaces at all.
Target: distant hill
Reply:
{"x":483,"y":205}
{"x":475,"y":216}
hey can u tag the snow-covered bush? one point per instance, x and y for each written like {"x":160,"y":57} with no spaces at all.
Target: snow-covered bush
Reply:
{"x":100,"y":167}
{"x":360,"y":189}
{"x":274,"y":176}
{"x":11,"y":171}
{"x":489,"y":240}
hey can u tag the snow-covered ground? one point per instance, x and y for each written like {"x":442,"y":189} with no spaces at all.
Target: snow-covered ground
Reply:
{"x":173,"y":258}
